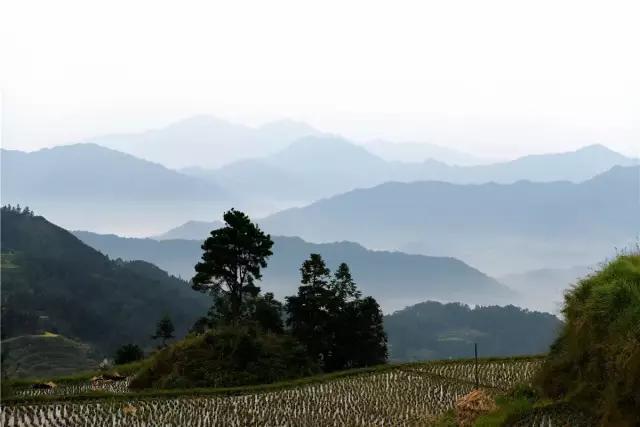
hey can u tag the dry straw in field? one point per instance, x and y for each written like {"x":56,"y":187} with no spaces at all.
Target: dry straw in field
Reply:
{"x":472,"y":405}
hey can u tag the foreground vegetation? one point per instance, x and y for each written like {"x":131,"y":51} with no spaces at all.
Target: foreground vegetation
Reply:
{"x":595,"y":362}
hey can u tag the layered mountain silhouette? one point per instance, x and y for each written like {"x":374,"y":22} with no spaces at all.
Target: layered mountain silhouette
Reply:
{"x":412,"y":152}
{"x":500,"y":228}
{"x":194,"y":230}
{"x":89,"y":185}
{"x":395,"y":279}
{"x":308,"y":169}
{"x":207,"y":141}
{"x":321,"y":166}
{"x":96,"y":173}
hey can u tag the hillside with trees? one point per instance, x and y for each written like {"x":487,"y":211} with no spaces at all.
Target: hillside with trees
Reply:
{"x":431,"y":330}
{"x":51,"y":281}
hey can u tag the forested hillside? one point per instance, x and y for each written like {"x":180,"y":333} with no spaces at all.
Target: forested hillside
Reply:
{"x":51,"y":281}
{"x":431,"y":330}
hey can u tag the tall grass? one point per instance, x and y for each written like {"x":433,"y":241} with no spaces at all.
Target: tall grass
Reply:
{"x":595,"y":362}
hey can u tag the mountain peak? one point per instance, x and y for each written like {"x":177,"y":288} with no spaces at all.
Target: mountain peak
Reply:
{"x":597,"y":148}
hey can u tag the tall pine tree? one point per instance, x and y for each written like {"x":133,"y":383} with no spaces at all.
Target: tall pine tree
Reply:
{"x":231,"y":262}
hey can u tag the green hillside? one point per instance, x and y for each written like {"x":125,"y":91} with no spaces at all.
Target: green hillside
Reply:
{"x":595,"y":362}
{"x":51,"y":281}
{"x":431,"y":330}
{"x":46,"y":355}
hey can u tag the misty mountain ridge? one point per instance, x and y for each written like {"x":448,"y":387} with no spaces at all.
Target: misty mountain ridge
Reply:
{"x":416,"y":152}
{"x":207,"y":141}
{"x":197,"y":229}
{"x":395,"y":279}
{"x":499,"y":228}
{"x":319,"y":167}
{"x":93,"y":171}
{"x":94,"y":186}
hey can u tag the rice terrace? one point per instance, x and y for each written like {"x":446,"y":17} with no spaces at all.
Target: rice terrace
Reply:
{"x":409,"y":394}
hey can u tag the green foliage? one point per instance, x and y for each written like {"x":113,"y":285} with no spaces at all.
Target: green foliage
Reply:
{"x":128,"y":353}
{"x":226,"y":357}
{"x":432,"y":330}
{"x":263,"y":311}
{"x":267,"y":313}
{"x":231,"y":262}
{"x":164,"y":330}
{"x":595,"y":362}
{"x":60,"y":284}
{"x":339,"y":329}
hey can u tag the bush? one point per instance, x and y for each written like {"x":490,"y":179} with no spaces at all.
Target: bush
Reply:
{"x":225,"y":357}
{"x":128,"y":353}
{"x":595,"y":362}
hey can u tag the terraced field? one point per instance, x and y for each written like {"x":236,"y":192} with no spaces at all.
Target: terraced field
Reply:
{"x":401,"y":395}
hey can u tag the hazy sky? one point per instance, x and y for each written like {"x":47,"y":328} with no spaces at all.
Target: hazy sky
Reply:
{"x":495,"y":78}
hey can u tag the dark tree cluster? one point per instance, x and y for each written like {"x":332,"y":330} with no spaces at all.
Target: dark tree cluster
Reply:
{"x":17,"y":210}
{"x":337,"y":326}
{"x":128,"y":353}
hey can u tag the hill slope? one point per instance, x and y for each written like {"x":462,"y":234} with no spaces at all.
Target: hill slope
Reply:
{"x":498,"y":228}
{"x":52,"y":281}
{"x":431,"y":330}
{"x":395,"y":279}
{"x":47,"y":355}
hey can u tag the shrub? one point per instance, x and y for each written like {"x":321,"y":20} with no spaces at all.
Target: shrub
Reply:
{"x":224,"y":357}
{"x":128,"y":353}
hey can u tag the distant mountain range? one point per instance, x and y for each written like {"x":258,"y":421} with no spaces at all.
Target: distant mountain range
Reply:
{"x":51,"y":281}
{"x":412,"y":152}
{"x":395,"y":279}
{"x":498,"y":228}
{"x":207,"y":141}
{"x":92,"y":186}
{"x":306,"y":170}
{"x":87,"y":186}
{"x":194,"y":230}
{"x":321,"y":166}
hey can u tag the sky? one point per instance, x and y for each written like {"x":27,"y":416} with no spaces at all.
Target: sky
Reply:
{"x":493,"y":78}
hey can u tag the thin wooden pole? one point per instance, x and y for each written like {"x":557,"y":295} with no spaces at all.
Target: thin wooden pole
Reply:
{"x":475,"y":348}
